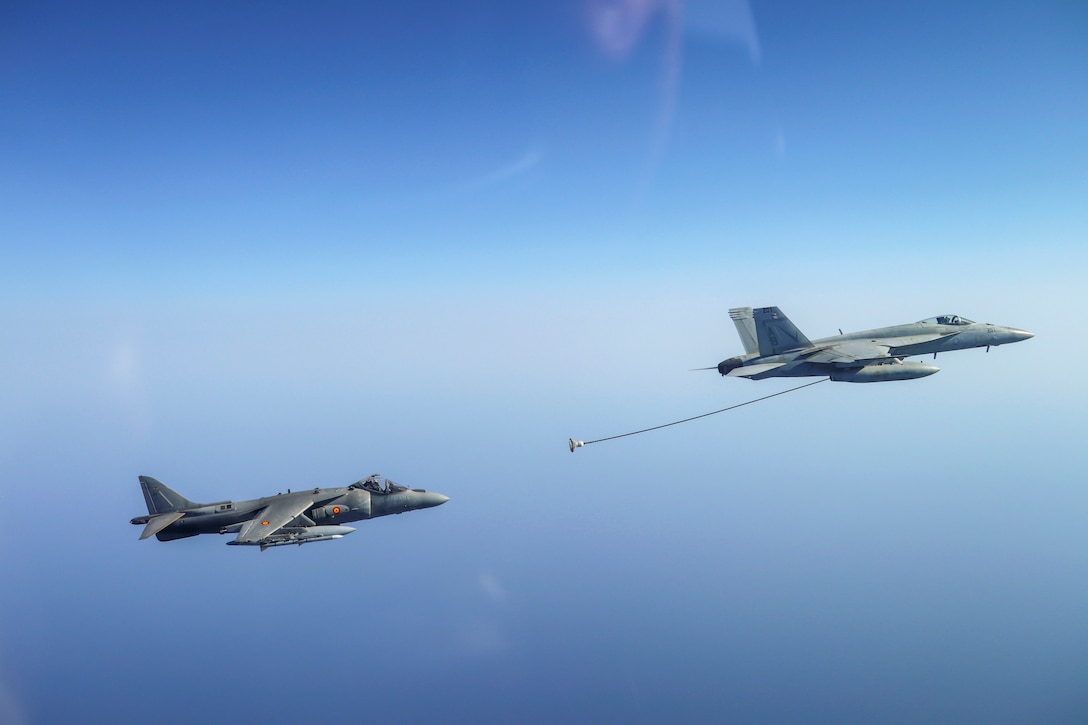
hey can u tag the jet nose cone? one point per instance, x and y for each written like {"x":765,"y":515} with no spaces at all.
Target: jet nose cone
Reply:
{"x":427,"y":499}
{"x":1018,"y":335}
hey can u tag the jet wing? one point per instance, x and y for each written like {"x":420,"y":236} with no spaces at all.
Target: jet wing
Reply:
{"x":849,"y":353}
{"x":272,"y":518}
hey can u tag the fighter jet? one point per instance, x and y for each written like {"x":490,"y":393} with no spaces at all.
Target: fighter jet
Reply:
{"x":774,"y":347}
{"x":287,"y":518}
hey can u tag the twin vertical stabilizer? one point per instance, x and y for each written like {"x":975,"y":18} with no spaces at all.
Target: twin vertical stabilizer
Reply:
{"x":766,"y":331}
{"x":775,"y":333}
{"x":746,"y":328}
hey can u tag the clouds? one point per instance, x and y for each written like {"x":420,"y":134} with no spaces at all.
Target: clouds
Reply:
{"x":521,"y":165}
{"x":618,"y":25}
{"x":728,"y":20}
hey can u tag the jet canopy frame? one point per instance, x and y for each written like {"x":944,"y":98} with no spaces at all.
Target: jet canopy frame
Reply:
{"x":376,"y":483}
{"x":946,"y":320}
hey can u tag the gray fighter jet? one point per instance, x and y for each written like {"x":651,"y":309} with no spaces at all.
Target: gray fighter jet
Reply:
{"x":775,"y":348}
{"x":302,"y":517}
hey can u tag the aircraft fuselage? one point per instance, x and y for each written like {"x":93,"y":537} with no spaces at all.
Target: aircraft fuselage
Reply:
{"x":325,"y":507}
{"x":775,"y":348}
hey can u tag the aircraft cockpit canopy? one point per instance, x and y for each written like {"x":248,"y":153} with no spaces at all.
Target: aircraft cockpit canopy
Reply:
{"x":377,"y":484}
{"x":947,"y":320}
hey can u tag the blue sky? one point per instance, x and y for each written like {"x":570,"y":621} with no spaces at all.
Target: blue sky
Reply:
{"x":275,"y":245}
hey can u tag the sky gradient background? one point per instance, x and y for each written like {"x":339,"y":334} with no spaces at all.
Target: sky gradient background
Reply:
{"x":268,"y":246}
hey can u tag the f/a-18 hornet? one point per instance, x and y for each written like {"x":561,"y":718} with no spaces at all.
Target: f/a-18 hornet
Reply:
{"x":287,"y":518}
{"x":774,"y":347}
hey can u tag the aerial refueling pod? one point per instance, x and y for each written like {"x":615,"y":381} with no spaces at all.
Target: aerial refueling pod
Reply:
{"x":881,"y":372}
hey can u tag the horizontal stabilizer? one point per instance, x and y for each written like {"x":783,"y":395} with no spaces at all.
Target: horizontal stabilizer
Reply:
{"x":158,"y":523}
{"x":748,"y":371}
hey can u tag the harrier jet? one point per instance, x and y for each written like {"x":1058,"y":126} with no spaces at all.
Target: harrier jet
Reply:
{"x":775,"y":348}
{"x":287,"y":518}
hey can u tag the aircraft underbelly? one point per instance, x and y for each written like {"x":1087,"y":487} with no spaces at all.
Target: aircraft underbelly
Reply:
{"x":796,"y":370}
{"x":171,"y":535}
{"x":206,"y":524}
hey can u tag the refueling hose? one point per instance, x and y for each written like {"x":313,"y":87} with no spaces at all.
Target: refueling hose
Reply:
{"x":579,"y":444}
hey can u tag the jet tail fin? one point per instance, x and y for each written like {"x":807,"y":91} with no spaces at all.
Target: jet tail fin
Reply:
{"x":746,"y":328}
{"x":775,"y":333}
{"x":161,"y":499}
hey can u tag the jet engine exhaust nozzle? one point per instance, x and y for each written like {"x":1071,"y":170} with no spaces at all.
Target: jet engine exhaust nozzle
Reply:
{"x":725,"y":366}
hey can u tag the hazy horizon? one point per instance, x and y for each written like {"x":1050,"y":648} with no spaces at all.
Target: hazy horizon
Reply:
{"x":260,"y":247}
